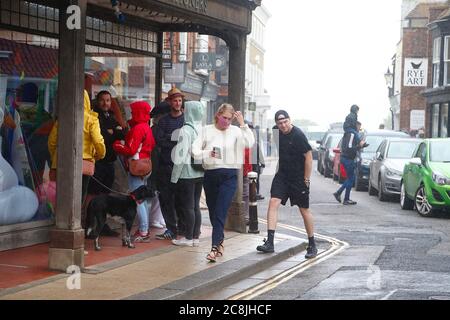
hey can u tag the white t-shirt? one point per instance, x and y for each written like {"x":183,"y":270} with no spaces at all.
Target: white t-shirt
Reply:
{"x":228,"y":144}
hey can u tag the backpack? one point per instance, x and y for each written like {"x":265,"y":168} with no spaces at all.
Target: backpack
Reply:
{"x":194,"y":163}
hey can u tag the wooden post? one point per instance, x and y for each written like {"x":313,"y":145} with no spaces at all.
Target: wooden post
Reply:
{"x":236,"y":96}
{"x":67,"y":238}
{"x":159,"y":71}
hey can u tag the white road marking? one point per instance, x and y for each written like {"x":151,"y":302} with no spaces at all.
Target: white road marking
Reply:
{"x":389,"y":295}
{"x":336,"y":247}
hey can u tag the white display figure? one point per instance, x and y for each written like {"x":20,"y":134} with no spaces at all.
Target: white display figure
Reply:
{"x":17,"y":203}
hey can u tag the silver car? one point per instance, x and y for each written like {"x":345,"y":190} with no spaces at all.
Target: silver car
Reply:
{"x":386,"y":168}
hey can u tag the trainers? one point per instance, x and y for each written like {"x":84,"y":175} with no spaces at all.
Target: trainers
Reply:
{"x":196,"y":243}
{"x":158,"y":225}
{"x":183,"y":242}
{"x":167,"y":235}
{"x":141,"y":236}
{"x":311,"y":252}
{"x":337,"y":196}
{"x":349,"y":202}
{"x":267,"y":247}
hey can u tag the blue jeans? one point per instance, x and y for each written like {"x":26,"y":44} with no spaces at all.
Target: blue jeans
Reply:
{"x":220,"y":186}
{"x":349,"y":166}
{"x":142,"y":209}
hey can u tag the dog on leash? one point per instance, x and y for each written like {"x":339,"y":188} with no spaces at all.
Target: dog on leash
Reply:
{"x":119,"y":207}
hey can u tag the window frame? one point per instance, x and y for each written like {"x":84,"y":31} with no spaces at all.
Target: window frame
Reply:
{"x":437,"y":44}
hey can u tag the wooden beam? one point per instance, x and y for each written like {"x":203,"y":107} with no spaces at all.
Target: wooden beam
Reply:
{"x":67,"y":241}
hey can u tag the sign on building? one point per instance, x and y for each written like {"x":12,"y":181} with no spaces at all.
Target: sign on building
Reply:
{"x":417,"y":119}
{"x":416,"y":72}
{"x":204,"y":60}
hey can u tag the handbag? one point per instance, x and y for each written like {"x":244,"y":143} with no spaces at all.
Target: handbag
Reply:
{"x":140,"y":167}
{"x":88,"y":168}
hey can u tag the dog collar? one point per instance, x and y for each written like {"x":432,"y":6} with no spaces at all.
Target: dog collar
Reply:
{"x":136,"y":200}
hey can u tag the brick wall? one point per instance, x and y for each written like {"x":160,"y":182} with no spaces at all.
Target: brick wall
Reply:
{"x":415,"y":45}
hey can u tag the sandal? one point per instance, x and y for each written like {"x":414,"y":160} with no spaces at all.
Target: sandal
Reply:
{"x":212,"y":254}
{"x":221,"y":249}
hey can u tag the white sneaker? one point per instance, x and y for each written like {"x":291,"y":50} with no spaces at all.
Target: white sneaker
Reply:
{"x":196,"y":243}
{"x":158,"y":225}
{"x":183,"y":242}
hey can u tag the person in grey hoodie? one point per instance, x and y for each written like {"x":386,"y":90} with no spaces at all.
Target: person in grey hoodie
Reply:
{"x":188,"y":175}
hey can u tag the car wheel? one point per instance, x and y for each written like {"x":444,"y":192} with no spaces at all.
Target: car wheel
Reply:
{"x":358,"y":185}
{"x":327,"y":171}
{"x":423,"y":207}
{"x":372,"y":190}
{"x":405,"y":202}
{"x":381,"y":195}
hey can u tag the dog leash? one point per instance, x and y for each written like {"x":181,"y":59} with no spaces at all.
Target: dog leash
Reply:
{"x":113,"y":191}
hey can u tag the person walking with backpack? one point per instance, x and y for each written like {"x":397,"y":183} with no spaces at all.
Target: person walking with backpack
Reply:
{"x":221,"y":147}
{"x":188,"y":176}
{"x":138,"y":146}
{"x":351,"y":143}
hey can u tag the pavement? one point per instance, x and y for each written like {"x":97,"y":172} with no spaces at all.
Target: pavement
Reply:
{"x":157,"y":271}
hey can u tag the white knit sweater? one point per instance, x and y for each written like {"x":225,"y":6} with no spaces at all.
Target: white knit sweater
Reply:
{"x":230,"y":143}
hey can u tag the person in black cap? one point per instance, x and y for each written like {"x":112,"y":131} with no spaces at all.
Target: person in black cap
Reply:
{"x":292,"y":180}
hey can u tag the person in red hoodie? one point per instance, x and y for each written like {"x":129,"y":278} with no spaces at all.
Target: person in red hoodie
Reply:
{"x":138,"y":144}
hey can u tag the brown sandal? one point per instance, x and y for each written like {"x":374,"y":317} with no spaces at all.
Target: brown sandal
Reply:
{"x":212,"y":254}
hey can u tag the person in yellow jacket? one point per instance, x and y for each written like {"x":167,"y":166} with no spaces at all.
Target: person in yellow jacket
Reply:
{"x":93,"y":143}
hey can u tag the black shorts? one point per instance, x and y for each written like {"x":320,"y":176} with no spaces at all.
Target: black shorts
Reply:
{"x":295,"y":190}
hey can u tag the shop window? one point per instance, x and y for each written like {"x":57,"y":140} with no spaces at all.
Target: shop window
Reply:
{"x":444,"y":121}
{"x":436,"y":61}
{"x":28,"y":91}
{"x":435,"y":121}
{"x":28,"y":84}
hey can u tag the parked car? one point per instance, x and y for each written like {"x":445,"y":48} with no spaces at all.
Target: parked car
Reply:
{"x":426,"y":178}
{"x":386,"y":168}
{"x":314,"y":134}
{"x":325,"y":157}
{"x":374,"y":139}
{"x":339,"y":173}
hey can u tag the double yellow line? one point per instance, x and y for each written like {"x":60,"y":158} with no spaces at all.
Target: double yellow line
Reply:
{"x":336,"y":247}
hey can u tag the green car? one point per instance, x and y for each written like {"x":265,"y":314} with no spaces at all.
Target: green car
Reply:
{"x":426,"y":178}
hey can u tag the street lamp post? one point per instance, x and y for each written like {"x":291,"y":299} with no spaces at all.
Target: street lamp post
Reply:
{"x":389,"y":77}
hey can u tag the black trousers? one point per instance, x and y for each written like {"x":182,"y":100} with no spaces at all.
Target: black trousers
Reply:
{"x":169,"y":205}
{"x":188,"y":193}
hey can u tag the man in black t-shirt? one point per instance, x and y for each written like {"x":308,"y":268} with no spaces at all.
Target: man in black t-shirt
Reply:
{"x":291,"y":181}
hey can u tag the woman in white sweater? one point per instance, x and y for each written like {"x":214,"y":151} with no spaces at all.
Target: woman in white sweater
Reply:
{"x":221,"y":148}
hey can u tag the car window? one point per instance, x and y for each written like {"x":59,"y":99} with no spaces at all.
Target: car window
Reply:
{"x":333,"y":141}
{"x":374,"y":142}
{"x":382,"y":147}
{"x":440,"y":151}
{"x":401,"y":149}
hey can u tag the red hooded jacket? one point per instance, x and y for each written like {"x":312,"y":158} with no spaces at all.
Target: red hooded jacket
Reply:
{"x":140,"y":133}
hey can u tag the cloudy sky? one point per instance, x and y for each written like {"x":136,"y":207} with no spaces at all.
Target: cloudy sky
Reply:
{"x":323,"y":56}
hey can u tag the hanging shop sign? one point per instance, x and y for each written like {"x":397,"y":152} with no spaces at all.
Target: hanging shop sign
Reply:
{"x":416,"y":72}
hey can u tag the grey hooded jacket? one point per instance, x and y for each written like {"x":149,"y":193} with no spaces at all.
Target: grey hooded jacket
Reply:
{"x":181,"y":154}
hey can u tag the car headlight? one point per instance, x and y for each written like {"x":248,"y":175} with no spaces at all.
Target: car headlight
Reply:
{"x":393,"y":173}
{"x":365,"y":163}
{"x":440,"y":179}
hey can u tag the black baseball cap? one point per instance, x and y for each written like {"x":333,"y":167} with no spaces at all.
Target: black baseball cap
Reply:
{"x":281,"y":115}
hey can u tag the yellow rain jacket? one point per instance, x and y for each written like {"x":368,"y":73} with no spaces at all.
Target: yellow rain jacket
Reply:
{"x":93,"y":143}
